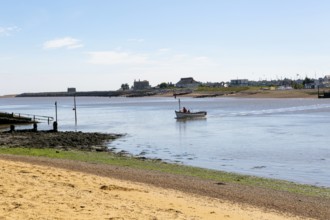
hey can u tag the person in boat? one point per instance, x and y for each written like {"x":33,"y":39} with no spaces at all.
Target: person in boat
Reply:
{"x":184,"y":110}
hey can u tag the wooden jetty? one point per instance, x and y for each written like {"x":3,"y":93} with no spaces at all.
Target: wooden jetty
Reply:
{"x":19,"y":118}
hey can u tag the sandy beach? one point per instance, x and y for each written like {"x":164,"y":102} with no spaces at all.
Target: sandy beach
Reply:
{"x":37,"y":192}
{"x":31,"y":191}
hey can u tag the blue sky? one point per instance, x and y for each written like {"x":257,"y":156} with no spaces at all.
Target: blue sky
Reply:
{"x":100,"y":44}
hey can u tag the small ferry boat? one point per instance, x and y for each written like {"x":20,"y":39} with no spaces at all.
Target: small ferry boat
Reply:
{"x":182,"y":115}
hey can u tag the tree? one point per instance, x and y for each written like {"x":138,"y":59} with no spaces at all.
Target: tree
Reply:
{"x":163,"y":85}
{"x":125,"y":86}
{"x":307,"y":81}
{"x":296,"y":85}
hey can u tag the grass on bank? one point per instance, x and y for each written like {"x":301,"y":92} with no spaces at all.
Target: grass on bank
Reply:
{"x":156,"y":165}
{"x":223,"y":89}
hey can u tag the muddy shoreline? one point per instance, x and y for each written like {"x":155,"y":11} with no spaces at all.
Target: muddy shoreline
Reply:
{"x":67,"y":140}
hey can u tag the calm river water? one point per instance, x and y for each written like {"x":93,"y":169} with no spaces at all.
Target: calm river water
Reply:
{"x":276,"y":138}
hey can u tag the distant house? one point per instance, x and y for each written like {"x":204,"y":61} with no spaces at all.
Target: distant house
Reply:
{"x":284,"y":88}
{"x":140,"y":85}
{"x":316,"y":83}
{"x":188,"y":82}
{"x":309,"y":85}
{"x":71,"y":89}
{"x":239,"y":82}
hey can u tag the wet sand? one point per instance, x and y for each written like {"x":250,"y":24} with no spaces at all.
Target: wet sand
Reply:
{"x":37,"y":192}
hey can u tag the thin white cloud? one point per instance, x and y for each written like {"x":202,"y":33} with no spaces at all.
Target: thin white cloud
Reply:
{"x":164,"y":50}
{"x":115,"y":57}
{"x":202,"y":59}
{"x":7,"y":31}
{"x":180,"y":57}
{"x":5,"y":58}
{"x":66,"y":42}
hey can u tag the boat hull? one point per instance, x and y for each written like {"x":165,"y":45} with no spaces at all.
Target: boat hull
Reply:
{"x":180,"y":115}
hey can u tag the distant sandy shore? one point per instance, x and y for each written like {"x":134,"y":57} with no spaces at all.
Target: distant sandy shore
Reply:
{"x":302,"y":93}
{"x":40,"y":188}
{"x":7,"y":96}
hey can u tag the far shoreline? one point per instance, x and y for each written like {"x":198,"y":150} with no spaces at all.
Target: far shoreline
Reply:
{"x":245,"y":92}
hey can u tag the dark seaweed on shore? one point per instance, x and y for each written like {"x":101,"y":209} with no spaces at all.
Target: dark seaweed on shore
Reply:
{"x":59,"y":140}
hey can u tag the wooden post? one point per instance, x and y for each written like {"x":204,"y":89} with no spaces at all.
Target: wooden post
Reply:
{"x":55,"y":128}
{"x":56,"y":111}
{"x":75,"y":110}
